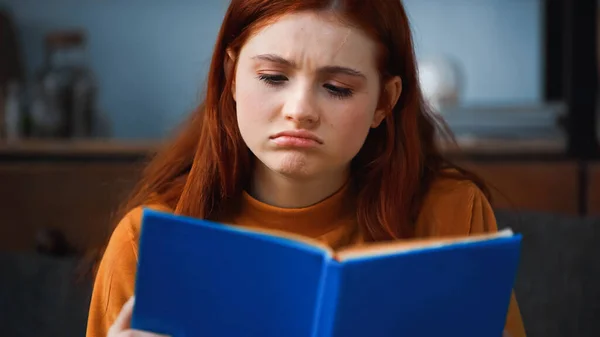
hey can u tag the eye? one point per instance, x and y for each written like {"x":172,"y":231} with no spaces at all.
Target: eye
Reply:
{"x":274,"y":80}
{"x":338,"y":92}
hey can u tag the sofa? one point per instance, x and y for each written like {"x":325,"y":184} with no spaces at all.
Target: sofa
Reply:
{"x":42,"y":296}
{"x":558,"y":282}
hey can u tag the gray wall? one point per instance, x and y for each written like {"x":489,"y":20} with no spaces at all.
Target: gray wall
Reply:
{"x":151,"y":56}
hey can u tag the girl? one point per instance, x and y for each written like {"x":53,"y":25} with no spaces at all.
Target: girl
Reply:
{"x":313,"y":123}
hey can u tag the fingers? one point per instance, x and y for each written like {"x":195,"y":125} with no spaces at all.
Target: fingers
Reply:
{"x":121,"y":326}
{"x":123,"y":321}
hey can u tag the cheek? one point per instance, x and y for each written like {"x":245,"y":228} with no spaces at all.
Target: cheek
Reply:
{"x":252,"y":108}
{"x":351,"y":129}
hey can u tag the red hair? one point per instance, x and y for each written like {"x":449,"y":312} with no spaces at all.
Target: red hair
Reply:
{"x":204,"y":170}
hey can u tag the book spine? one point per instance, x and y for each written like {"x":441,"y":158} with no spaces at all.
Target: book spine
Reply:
{"x":325,"y":313}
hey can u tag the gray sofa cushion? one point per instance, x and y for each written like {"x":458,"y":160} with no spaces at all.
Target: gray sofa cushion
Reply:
{"x":42,"y":296}
{"x":558,"y":282}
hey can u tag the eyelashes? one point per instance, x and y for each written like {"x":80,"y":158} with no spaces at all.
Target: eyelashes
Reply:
{"x":339,"y":92}
{"x":272,"y":80}
{"x":333,"y":90}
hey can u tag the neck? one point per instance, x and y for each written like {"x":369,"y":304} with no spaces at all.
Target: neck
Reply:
{"x":287,"y":192}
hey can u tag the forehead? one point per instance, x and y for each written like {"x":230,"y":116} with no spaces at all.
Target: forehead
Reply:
{"x":315,"y":39}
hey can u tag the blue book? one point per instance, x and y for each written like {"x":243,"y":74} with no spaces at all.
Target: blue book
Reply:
{"x":200,"y":278}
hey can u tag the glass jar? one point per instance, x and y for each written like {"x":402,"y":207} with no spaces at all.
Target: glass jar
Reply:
{"x":67,"y":87}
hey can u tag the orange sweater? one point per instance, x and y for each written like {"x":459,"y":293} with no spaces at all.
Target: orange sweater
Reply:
{"x":451,"y":208}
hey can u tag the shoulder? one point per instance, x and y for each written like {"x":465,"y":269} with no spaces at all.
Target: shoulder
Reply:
{"x":129,"y":227}
{"x":447,"y":189}
{"x":454,"y":206}
{"x":115,"y":279}
{"x":124,"y":239}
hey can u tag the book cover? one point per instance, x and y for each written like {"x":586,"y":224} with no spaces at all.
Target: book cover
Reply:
{"x":200,"y":278}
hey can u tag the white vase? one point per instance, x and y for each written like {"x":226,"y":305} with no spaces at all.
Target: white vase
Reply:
{"x":441,"y":81}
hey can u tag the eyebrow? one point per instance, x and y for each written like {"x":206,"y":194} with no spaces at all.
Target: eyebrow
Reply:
{"x":327,"y":69}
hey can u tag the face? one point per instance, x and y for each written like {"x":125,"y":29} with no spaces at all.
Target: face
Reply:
{"x":307,"y":93}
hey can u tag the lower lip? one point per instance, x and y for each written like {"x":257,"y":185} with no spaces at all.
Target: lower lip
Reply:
{"x":295,"y":141}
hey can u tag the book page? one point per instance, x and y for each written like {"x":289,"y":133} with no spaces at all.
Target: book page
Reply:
{"x":392,"y":247}
{"x":286,"y":235}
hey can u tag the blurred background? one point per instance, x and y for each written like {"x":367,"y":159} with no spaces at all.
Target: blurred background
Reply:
{"x":89,"y":89}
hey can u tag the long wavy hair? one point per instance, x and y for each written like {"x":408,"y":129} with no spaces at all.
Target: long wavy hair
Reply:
{"x":204,"y":169}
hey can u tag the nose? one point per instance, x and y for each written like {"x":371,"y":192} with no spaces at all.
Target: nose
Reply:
{"x":301,"y":107}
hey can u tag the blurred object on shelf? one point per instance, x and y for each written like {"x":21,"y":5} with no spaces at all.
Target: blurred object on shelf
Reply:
{"x":63,"y":96}
{"x":11,"y":67}
{"x":43,"y":121}
{"x":507,"y":129}
{"x":544,"y":120}
{"x":441,"y":82}
{"x":474,"y":146}
{"x":13,"y":112}
{"x":11,"y":64}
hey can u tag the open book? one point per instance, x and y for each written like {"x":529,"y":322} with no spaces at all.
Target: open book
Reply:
{"x":200,"y":278}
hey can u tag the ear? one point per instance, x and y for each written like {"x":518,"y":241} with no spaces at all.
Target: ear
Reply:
{"x":229,"y":64}
{"x":391,"y":93}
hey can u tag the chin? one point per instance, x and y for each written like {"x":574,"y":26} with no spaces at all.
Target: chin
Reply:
{"x":293,"y":166}
{"x":293,"y":170}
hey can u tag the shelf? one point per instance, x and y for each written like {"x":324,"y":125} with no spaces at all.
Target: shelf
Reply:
{"x":483,"y":146}
{"x":51,"y":149}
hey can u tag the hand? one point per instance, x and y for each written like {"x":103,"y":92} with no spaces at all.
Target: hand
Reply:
{"x":122,"y":325}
